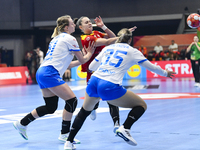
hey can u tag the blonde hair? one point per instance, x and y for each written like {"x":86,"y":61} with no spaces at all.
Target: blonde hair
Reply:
{"x":61,"y":22}
{"x":124,"y":35}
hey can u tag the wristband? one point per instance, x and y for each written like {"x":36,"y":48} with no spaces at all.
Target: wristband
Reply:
{"x":104,"y":27}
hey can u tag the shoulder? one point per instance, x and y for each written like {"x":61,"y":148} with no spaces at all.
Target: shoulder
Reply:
{"x":86,"y":37}
{"x":71,"y":38}
{"x":96,"y":32}
{"x":99,"y":34}
{"x":132,"y":50}
{"x":135,"y":50}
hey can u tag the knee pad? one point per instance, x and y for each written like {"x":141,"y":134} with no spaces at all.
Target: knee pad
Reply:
{"x":70,"y":105}
{"x":49,"y":108}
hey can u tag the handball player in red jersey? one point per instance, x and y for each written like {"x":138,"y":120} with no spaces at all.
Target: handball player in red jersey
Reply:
{"x":101,"y":40}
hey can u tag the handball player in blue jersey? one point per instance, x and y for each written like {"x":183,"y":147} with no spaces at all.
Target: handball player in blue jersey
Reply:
{"x":62,"y":49}
{"x":106,"y":82}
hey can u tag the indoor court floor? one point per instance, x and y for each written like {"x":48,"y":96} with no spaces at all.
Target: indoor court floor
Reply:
{"x":171,"y":122}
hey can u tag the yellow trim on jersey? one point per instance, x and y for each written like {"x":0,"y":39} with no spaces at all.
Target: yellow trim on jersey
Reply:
{"x":83,"y":36}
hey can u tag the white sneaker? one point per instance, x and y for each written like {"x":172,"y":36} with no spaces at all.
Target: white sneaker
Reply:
{"x":125,"y":134}
{"x":69,"y":146}
{"x":21,"y":129}
{"x":63,"y":138}
{"x":197,"y":84}
{"x":93,"y":115}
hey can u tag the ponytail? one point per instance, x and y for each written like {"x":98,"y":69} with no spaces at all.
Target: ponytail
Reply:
{"x":61,"y":23}
{"x":55,"y":32}
{"x":124,"y":36}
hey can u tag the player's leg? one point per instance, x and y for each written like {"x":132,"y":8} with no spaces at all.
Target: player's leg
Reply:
{"x":129,"y":100}
{"x":194,"y":72}
{"x":51,"y":103}
{"x":93,"y":114}
{"x":114,"y":112}
{"x":64,"y":92}
{"x":85,"y":111}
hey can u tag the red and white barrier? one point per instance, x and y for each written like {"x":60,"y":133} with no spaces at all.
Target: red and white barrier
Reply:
{"x":181,"y":67}
{"x":14,"y":75}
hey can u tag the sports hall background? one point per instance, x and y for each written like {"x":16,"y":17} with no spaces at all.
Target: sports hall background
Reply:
{"x":26,"y":24}
{"x":171,"y":121}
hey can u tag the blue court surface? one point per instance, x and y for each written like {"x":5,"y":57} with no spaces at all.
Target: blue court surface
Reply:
{"x":171,"y":122}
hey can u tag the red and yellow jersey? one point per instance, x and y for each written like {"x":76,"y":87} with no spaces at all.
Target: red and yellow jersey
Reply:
{"x":85,"y":39}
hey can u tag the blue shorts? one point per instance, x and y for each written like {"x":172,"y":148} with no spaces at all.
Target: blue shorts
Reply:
{"x":48,"y":77}
{"x":104,"y":89}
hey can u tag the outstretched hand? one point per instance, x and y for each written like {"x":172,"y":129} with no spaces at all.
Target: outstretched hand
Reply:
{"x":132,"y":29}
{"x":99,"y":22}
{"x":170,"y":74}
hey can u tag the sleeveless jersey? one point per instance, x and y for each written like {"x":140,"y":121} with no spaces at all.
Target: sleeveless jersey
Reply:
{"x":195,"y":53}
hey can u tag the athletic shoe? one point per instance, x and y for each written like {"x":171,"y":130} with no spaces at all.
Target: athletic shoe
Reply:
{"x":21,"y":129}
{"x":93,"y":115}
{"x":63,"y":138}
{"x":69,"y":146}
{"x":125,"y":134}
{"x":197,"y":84}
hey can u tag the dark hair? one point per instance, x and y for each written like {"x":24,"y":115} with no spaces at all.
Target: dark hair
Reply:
{"x":124,"y":35}
{"x":75,"y":20}
{"x":79,"y":21}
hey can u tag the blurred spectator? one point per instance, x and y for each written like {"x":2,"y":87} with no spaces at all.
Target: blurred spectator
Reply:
{"x":40,"y":56}
{"x":28,"y":62}
{"x":143,"y":49}
{"x":173,"y":51}
{"x":158,"y":51}
{"x":173,"y":47}
{"x":158,"y":48}
{"x":37,"y":58}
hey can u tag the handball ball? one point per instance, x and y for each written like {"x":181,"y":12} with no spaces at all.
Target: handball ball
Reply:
{"x":193,"y":20}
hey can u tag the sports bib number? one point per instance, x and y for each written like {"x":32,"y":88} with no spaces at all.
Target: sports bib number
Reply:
{"x":112,"y":53}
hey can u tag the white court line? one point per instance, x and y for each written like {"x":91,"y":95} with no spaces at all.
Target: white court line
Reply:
{"x":2,"y":109}
{"x":13,"y":117}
